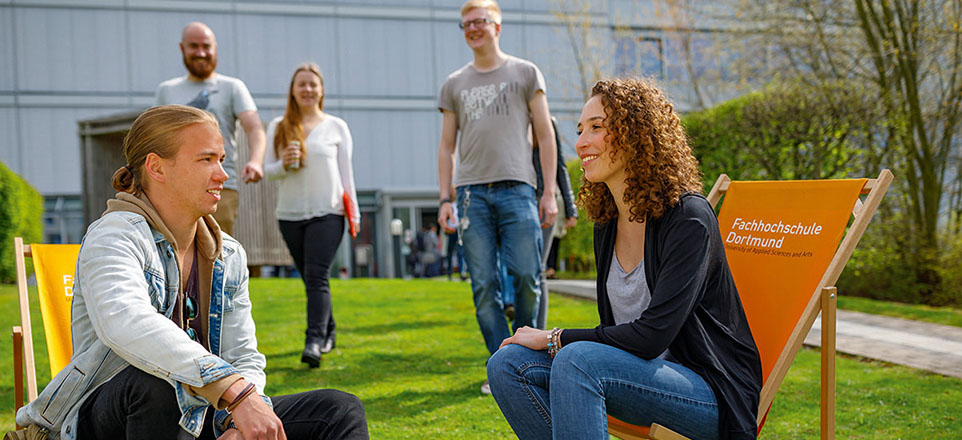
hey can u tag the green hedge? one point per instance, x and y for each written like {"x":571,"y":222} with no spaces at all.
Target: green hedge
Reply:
{"x":788,"y":130}
{"x":21,"y":215}
{"x":576,"y":248}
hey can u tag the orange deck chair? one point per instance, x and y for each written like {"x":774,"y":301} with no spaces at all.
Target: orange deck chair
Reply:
{"x":784,"y":243}
{"x":54,"y":265}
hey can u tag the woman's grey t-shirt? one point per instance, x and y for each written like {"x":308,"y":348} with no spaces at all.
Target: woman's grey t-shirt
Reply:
{"x":628,"y":293}
{"x":493,"y":119}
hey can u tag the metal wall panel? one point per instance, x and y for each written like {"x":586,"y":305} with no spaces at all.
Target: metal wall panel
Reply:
{"x":550,"y":50}
{"x":537,"y":5}
{"x":274,"y":45}
{"x":7,"y":60}
{"x":448,"y":4}
{"x":51,"y":149}
{"x":71,"y":50}
{"x":9,"y":153}
{"x":394,"y":149}
{"x":385,"y":57}
{"x":512,"y":40}
{"x":450,"y":51}
{"x":154,"y":39}
{"x":421,"y":3}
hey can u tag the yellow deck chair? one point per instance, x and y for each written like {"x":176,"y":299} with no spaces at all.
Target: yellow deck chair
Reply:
{"x":54,"y":265}
{"x":784,"y":243}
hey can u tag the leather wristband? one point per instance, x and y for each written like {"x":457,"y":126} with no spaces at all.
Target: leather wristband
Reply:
{"x":443,"y":201}
{"x":245,"y":393}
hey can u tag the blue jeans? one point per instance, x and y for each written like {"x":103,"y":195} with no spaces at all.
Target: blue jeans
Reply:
{"x":507,"y":283}
{"x":506,"y":216}
{"x":587,"y":380}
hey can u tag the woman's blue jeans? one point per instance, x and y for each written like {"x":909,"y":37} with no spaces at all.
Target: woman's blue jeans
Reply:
{"x":569,"y":396}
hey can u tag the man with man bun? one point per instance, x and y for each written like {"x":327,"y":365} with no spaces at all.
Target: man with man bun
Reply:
{"x":164,"y":345}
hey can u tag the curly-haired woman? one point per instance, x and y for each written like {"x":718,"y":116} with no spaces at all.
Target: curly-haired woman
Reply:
{"x":673,"y":346}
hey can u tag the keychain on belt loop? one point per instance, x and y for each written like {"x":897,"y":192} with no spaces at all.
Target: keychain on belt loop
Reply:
{"x":464,"y":222}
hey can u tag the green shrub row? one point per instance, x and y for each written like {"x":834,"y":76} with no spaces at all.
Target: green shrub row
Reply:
{"x":21,"y":215}
{"x":576,"y":248}
{"x":792,"y":131}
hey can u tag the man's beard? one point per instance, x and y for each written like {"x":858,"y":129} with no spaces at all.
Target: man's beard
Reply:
{"x":201,"y":72}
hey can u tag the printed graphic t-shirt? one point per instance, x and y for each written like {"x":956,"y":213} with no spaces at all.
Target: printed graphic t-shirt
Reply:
{"x":492,"y":112}
{"x":224,"y":96}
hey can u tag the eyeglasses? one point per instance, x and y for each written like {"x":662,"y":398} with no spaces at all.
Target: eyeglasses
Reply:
{"x":190,"y":312}
{"x":476,"y":23}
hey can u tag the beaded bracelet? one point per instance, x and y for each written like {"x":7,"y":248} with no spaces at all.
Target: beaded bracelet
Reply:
{"x":247,"y":391}
{"x":554,"y":341}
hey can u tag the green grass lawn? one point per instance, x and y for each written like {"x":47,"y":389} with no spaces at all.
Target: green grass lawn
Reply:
{"x":918,"y":312}
{"x":412,"y":352}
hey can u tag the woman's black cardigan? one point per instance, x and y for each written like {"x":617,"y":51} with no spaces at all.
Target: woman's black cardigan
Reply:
{"x":695,"y":310}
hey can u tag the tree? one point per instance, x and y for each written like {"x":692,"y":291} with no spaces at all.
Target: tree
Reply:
{"x":588,"y":38}
{"x":910,"y":54}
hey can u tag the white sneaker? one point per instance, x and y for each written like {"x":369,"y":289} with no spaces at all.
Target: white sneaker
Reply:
{"x":486,"y":388}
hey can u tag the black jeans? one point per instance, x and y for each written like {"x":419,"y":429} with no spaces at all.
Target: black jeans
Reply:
{"x":136,"y":405}
{"x":312,"y":244}
{"x":553,"y":253}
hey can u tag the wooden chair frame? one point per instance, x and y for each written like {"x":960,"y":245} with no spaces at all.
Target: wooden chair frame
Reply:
{"x":23,"y":358}
{"x":823,"y":300}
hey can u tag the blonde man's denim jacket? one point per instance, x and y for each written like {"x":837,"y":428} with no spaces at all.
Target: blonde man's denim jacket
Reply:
{"x":124,"y":295}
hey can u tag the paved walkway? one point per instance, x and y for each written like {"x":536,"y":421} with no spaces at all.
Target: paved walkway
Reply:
{"x":932,"y":347}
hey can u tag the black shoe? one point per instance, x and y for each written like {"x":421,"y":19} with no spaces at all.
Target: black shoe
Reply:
{"x":329,"y":343}
{"x":509,"y":312}
{"x":312,"y":354}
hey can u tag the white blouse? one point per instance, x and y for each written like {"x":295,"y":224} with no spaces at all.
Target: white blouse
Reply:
{"x":317,"y":187}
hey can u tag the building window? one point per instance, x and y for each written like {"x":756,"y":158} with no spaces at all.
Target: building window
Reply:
{"x":636,"y":55}
{"x":63,"y":220}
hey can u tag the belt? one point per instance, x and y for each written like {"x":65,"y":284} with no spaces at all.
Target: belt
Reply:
{"x":502,"y":184}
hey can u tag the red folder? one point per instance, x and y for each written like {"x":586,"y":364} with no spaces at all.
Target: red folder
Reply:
{"x":349,"y":213}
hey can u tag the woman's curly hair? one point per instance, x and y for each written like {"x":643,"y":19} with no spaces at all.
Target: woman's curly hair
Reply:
{"x":644,"y":130}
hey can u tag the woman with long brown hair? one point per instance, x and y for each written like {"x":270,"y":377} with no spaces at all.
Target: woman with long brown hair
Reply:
{"x":673,"y":345}
{"x":311,"y":156}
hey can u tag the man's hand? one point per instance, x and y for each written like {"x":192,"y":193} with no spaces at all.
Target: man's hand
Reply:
{"x":444,"y":217}
{"x":256,"y":421}
{"x":529,"y":337}
{"x":547,"y":210}
{"x":231,"y":434}
{"x":570,"y":222}
{"x":253,"y":172}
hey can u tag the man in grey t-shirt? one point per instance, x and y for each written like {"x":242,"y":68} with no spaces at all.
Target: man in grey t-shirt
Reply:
{"x":228,"y":100}
{"x":491,"y":101}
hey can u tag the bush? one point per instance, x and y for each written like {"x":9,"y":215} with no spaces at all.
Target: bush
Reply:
{"x":881,"y":266}
{"x":878,"y":268}
{"x":788,"y":130}
{"x":21,"y":215}
{"x":950,"y":274}
{"x":576,"y":248}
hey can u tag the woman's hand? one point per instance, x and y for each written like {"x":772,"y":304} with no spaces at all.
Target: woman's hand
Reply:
{"x":291,"y":155}
{"x":529,"y":337}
